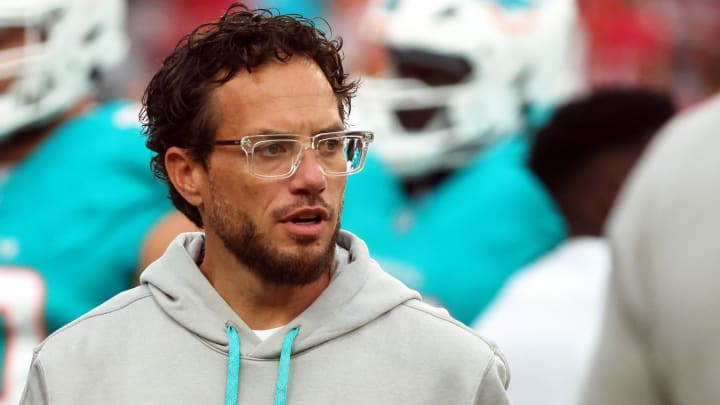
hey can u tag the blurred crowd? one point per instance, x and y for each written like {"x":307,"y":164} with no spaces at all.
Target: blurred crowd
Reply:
{"x":660,"y":43}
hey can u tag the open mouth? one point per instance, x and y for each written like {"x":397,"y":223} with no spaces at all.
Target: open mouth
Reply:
{"x":306,"y":219}
{"x":308,"y":223}
{"x":306,"y":216}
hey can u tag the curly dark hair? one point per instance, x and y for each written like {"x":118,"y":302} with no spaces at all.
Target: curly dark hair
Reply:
{"x":176,"y":105}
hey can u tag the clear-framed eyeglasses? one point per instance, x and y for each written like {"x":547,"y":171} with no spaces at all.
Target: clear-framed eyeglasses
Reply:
{"x":277,"y":156}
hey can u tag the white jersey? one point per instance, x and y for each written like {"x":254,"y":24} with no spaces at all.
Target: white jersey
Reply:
{"x":547,"y":319}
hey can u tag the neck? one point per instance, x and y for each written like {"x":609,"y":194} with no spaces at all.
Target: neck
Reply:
{"x":260,"y":304}
{"x":585,"y":219}
{"x":22,"y":144}
{"x":584,"y":229}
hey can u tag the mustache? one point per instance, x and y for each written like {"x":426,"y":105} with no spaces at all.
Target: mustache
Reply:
{"x":311,"y":201}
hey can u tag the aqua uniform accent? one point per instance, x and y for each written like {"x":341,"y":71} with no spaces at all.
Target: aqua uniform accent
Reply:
{"x":73,"y":217}
{"x":306,"y":8}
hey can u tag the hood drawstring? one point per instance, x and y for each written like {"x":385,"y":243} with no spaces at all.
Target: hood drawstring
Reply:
{"x":284,"y":367}
{"x":233,"y":375}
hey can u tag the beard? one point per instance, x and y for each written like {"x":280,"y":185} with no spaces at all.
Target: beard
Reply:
{"x":240,"y":235}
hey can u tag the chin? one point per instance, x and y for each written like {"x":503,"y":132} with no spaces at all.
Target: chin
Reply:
{"x":305,"y":246}
{"x":308,"y":240}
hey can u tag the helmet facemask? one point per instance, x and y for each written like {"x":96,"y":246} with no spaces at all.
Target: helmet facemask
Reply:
{"x":457,"y":82}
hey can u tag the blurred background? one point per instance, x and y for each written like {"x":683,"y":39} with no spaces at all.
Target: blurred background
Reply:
{"x":447,"y":201}
{"x":661,"y":43}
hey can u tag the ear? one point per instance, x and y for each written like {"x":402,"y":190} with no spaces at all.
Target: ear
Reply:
{"x":186,"y":174}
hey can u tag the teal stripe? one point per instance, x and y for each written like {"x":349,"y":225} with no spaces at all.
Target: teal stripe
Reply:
{"x":233,"y":375}
{"x":284,"y":368}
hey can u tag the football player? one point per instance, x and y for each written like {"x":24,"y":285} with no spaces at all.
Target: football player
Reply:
{"x":446,"y":201}
{"x":80,"y":212}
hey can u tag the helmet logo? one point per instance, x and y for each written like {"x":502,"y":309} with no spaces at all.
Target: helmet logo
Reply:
{"x":514,"y":18}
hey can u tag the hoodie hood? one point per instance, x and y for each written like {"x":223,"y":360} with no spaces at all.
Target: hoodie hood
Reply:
{"x":366,"y":339}
{"x":358,"y":293}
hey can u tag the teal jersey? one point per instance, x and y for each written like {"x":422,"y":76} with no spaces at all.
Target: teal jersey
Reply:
{"x":459,"y":243}
{"x":73,"y":217}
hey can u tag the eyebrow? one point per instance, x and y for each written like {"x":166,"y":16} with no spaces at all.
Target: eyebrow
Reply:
{"x":270,"y":131}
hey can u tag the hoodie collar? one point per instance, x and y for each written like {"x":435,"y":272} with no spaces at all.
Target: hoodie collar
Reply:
{"x":358,"y":293}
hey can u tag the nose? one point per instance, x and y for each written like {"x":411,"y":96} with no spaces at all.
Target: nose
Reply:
{"x":309,"y":177}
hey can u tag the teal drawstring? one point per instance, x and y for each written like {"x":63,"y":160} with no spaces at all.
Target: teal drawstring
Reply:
{"x":284,"y":367}
{"x":233,"y":374}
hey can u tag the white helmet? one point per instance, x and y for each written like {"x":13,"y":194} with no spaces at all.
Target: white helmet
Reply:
{"x":472,"y":65}
{"x":66,"y":44}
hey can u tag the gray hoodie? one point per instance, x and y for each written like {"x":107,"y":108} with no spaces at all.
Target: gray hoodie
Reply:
{"x":367,"y":339}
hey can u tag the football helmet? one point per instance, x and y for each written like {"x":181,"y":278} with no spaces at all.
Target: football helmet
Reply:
{"x":63,"y":45}
{"x":462,"y":74}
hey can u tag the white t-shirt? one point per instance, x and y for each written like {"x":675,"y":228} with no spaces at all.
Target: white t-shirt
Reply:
{"x":263,"y":334}
{"x":547,"y":320}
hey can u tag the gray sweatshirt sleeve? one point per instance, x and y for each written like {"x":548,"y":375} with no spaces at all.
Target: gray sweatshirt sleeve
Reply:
{"x":494,"y":383}
{"x":35,"y":392}
{"x":621,"y":372}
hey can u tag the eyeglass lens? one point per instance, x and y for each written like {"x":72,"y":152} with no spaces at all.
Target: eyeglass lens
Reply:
{"x":337,"y":155}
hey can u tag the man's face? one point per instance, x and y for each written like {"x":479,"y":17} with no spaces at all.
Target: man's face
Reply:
{"x":284,"y":230}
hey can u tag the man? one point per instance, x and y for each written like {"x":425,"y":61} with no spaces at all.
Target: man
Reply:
{"x":79,"y":212}
{"x":246,"y":119}
{"x":459,"y":211}
{"x":548,"y":315}
{"x":658,"y":342}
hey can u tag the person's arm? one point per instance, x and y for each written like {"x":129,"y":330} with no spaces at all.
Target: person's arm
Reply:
{"x":621,"y":373}
{"x":159,"y":237}
{"x":622,"y":370}
{"x":494,"y":383}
